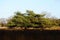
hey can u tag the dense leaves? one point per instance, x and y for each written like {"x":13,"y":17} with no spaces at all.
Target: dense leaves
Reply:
{"x":29,"y":19}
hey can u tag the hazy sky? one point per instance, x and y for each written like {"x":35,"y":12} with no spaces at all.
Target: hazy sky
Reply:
{"x":8,"y":7}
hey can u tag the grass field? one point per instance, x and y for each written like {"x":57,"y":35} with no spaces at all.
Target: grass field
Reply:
{"x":18,"y":28}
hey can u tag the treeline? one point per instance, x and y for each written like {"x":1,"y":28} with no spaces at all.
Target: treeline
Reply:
{"x":30,"y":19}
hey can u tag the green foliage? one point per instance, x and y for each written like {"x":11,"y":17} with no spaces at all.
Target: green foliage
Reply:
{"x":57,"y":22}
{"x":30,"y":19}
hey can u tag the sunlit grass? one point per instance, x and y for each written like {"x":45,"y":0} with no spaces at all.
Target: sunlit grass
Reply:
{"x":18,"y":28}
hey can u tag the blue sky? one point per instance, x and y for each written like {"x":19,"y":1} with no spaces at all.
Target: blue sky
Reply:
{"x":8,"y":7}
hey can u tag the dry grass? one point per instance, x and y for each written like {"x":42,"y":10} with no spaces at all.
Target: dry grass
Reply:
{"x":52,"y":28}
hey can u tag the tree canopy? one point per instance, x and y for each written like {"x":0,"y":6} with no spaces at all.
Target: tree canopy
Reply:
{"x":29,"y":19}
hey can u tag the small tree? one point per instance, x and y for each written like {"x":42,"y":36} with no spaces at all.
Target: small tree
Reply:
{"x":29,"y":19}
